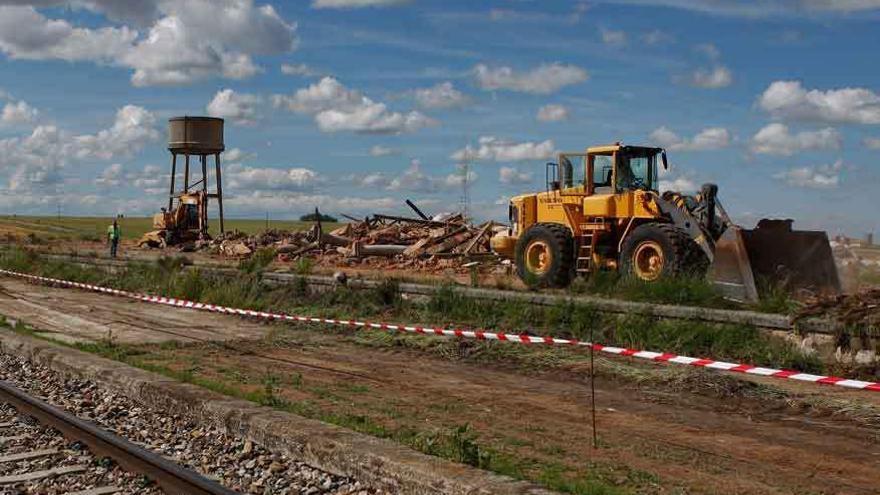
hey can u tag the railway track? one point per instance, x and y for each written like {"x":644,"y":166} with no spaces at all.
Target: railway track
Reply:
{"x":37,"y":456}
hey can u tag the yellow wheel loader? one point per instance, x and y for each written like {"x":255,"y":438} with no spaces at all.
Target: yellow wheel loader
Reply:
{"x":186,"y":222}
{"x":602,"y":210}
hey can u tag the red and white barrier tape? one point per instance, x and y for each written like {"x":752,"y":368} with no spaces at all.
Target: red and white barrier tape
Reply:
{"x":471,"y":334}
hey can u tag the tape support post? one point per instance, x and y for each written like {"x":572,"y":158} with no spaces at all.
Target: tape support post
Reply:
{"x":469,"y":334}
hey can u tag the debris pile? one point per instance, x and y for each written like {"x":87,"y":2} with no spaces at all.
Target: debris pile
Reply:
{"x":379,"y":241}
{"x":858,"y":310}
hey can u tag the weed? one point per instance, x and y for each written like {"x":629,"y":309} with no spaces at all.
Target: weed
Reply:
{"x":258,"y":262}
{"x":304,"y":266}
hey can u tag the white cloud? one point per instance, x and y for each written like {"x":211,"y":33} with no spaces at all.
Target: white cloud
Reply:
{"x":545,"y":79}
{"x":236,"y":155}
{"x":240,"y":108}
{"x":821,"y":177}
{"x":711,"y":138}
{"x":36,"y":160}
{"x":552,"y":113}
{"x":872,"y":143}
{"x":111,"y":176}
{"x":20,"y":112}
{"x":27,"y":34}
{"x":775,"y":139}
{"x":191,"y":40}
{"x":442,"y":95}
{"x":379,"y":150}
{"x":614,"y":38}
{"x":790,"y":100}
{"x":414,"y":178}
{"x":500,"y":150}
{"x":336,"y":108}
{"x":297,"y":70}
{"x":709,"y":50}
{"x":512,"y":175}
{"x":288,"y":202}
{"x":133,"y":128}
{"x":717,"y":77}
{"x":681,"y":184}
{"x":271,"y":179}
{"x":355,"y":4}
{"x":760,"y":8}
{"x":657,"y":37}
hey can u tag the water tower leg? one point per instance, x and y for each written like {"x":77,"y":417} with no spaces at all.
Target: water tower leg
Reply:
{"x":219,"y":190}
{"x":186,"y":175}
{"x":173,"y":173}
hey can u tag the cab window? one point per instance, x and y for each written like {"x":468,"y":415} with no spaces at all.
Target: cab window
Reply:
{"x":637,"y":172}
{"x":602,"y":174}
{"x":573,"y":169}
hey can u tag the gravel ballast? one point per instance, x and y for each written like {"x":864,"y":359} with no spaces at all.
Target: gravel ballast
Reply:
{"x":235,"y":462}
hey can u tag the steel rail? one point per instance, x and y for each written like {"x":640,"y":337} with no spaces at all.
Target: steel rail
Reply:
{"x":172,"y":478}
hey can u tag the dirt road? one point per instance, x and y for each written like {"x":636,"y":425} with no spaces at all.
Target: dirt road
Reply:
{"x":652,"y":439}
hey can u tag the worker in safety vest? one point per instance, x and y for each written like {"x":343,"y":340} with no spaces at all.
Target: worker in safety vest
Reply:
{"x":113,"y":235}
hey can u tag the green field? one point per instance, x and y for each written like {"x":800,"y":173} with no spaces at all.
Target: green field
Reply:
{"x":94,"y":228}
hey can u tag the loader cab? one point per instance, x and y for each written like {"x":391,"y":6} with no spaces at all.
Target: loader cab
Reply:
{"x":607,"y":170}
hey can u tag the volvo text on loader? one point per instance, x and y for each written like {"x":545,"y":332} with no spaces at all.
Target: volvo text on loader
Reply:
{"x":602,"y":210}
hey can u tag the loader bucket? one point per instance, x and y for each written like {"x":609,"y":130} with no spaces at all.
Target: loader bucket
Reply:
{"x":731,"y":273}
{"x":773,"y":254}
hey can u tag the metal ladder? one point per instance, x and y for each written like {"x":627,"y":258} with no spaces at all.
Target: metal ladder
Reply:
{"x":584,"y":263}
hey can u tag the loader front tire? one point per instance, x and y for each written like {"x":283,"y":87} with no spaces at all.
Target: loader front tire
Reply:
{"x":656,"y":250}
{"x":545,"y":256}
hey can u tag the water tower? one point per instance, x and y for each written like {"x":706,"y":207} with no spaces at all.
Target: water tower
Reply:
{"x":196,"y":138}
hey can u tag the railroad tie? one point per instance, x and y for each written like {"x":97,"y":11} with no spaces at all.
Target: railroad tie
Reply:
{"x":27,"y":455}
{"x":38,"y":475}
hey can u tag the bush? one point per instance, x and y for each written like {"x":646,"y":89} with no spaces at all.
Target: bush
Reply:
{"x":315,"y":217}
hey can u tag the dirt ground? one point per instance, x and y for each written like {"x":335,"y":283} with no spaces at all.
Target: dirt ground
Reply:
{"x":652,"y":439}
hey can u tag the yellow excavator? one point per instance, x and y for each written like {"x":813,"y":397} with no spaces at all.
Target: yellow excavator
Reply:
{"x":602,"y":210}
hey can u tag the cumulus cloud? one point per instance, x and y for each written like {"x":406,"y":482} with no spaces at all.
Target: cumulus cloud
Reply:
{"x":188,"y":41}
{"x":492,"y":148}
{"x":552,"y":113}
{"x":761,"y":8}
{"x":379,"y":150}
{"x":657,"y":37}
{"x":790,"y":100}
{"x":258,"y":202}
{"x":36,"y":160}
{"x":271,"y":179}
{"x":442,"y":95}
{"x":776,"y":139}
{"x":613,"y":38}
{"x":15,"y":113}
{"x":297,"y":70}
{"x":240,"y":108}
{"x":236,"y":155}
{"x":680,"y":183}
{"x":336,"y":108}
{"x":544,"y":79}
{"x":819,"y":177}
{"x":872,"y":143}
{"x":133,"y":128}
{"x":415,"y":179}
{"x":28,"y":34}
{"x":512,"y":175}
{"x":718,"y":76}
{"x":711,"y":138}
{"x":355,"y":4}
{"x":111,"y":176}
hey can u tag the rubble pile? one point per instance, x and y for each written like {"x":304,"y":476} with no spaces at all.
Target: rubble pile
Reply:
{"x":377,"y":241}
{"x":858,"y":310}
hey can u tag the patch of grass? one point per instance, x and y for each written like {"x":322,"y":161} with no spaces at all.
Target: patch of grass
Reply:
{"x":258,"y":262}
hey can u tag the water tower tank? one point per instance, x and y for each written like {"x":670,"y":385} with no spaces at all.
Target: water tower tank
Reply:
{"x":195,"y":135}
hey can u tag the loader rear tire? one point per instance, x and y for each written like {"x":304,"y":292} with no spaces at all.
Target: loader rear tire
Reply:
{"x":545,"y":256}
{"x":657,"y":250}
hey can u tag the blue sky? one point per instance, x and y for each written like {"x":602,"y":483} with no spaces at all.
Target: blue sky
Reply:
{"x":355,"y":105}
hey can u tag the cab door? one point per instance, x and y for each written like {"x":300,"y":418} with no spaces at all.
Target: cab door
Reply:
{"x":599,"y":201}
